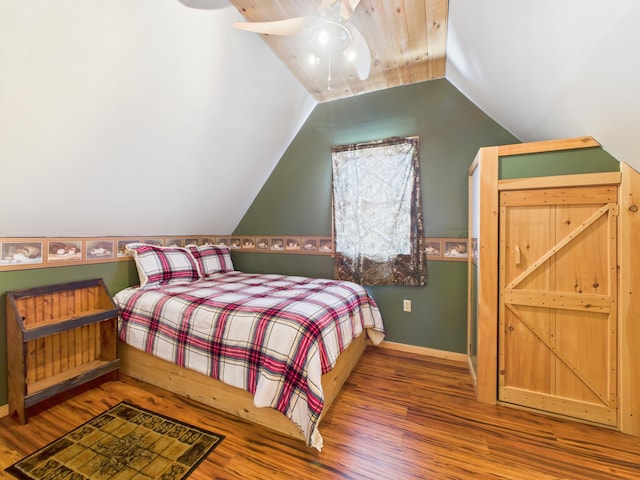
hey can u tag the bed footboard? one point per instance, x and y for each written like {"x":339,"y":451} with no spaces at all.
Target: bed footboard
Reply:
{"x":211,"y":392}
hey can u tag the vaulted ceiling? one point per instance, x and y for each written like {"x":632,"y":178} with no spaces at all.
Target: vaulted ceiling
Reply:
{"x":542,"y":69}
{"x":406,"y":39}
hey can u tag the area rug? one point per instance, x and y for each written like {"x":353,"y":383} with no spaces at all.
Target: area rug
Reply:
{"x":124,"y":442}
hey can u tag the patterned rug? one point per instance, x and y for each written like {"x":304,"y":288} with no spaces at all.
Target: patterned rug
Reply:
{"x":124,"y":442}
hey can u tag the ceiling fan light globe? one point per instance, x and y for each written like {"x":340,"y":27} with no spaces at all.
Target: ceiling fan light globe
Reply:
{"x":331,"y":35}
{"x":350,"y":54}
{"x":323,"y":37}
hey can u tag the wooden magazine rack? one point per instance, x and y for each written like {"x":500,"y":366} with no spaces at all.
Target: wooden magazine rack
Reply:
{"x":59,"y":337}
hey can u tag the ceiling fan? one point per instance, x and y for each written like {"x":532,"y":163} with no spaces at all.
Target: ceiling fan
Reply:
{"x":329,"y":29}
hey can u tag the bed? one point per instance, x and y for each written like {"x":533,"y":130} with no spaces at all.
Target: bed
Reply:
{"x":241,"y":342}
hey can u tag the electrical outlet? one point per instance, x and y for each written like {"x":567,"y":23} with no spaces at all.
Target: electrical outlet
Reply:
{"x":406,"y":305}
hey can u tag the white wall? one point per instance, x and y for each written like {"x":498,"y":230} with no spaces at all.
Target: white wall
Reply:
{"x":136,"y":117}
{"x":551,"y":69}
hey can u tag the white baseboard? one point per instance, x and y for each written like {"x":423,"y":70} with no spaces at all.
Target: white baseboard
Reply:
{"x":429,"y":352}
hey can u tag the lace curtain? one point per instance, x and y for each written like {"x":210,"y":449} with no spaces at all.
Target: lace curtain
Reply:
{"x":377,"y":213}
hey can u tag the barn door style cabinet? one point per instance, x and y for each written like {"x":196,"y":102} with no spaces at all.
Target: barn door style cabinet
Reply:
{"x":554,"y":288}
{"x":58,"y":337}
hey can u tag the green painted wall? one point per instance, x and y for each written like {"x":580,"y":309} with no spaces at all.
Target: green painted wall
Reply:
{"x":565,"y":162}
{"x":116,"y":275}
{"x":296,"y":199}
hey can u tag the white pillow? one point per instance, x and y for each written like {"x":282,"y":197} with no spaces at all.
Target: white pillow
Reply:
{"x":163,"y":265}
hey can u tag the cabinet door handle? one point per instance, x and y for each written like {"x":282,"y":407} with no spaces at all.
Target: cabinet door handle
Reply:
{"x":517,"y":249}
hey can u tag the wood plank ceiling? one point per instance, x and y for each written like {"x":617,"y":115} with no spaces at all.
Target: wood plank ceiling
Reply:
{"x":407,"y":40}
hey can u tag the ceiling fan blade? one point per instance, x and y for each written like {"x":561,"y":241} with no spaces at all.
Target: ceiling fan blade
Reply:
{"x":205,"y":4}
{"x":289,"y":26}
{"x":348,"y":7}
{"x":344,"y":8}
{"x":362,"y":62}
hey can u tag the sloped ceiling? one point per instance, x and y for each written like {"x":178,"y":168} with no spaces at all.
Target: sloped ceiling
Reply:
{"x":136,"y":117}
{"x":549,"y":69}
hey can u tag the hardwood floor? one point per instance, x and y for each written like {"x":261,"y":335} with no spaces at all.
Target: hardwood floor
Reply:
{"x":399,"y":416}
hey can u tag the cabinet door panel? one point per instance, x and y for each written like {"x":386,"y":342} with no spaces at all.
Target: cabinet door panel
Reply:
{"x":527,"y":361}
{"x":583,"y":341}
{"x":582,"y":268}
{"x":557,"y":303}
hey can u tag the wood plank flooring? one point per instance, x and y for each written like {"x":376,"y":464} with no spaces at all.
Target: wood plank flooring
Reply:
{"x":399,"y":416}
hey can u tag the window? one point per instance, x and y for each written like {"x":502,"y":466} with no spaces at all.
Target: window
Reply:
{"x":377,"y":213}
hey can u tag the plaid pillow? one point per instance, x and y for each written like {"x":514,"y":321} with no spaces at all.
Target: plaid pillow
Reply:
{"x":212,"y":259}
{"x":163,"y":265}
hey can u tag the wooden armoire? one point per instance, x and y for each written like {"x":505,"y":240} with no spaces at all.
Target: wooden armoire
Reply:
{"x":554,"y":282}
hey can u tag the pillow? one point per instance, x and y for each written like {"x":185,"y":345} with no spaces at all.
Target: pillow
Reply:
{"x":212,"y":259}
{"x":163,"y":265}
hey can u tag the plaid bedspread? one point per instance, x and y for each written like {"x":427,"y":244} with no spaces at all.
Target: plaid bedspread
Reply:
{"x":271,"y":335}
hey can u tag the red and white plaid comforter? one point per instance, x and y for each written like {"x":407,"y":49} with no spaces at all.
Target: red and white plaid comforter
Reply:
{"x":271,"y":335}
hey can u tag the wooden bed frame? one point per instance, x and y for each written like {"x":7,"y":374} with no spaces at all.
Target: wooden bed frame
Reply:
{"x":201,"y":388}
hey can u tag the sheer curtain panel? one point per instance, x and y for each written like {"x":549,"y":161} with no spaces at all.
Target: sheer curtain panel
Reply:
{"x":377,"y":213}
